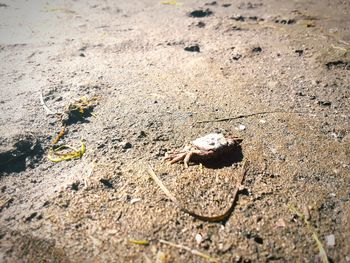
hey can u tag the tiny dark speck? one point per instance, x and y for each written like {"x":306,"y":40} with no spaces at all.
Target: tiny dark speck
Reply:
{"x":258,"y":240}
{"x":257,"y":49}
{"x":299,"y":51}
{"x":106,"y":183}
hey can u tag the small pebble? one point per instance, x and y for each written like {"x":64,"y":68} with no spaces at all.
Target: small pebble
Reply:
{"x":324,"y":103}
{"x":312,"y":97}
{"x":334,"y":135}
{"x":200,"y":24}
{"x":135,"y":200}
{"x":273,"y":150}
{"x":330,"y":240}
{"x":106,"y":183}
{"x":241,"y":127}
{"x":257,"y":49}
{"x":280,"y":223}
{"x":126,"y":145}
{"x":199,"y":238}
{"x":30,"y":217}
{"x":142,"y":134}
{"x":212,"y":3}
{"x":299,"y":51}
{"x":237,"y":57}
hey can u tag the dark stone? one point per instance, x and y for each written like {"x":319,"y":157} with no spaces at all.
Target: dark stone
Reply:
{"x":236,"y":28}
{"x":339,"y":64}
{"x":299,"y":52}
{"x":75,"y":186}
{"x":258,"y":240}
{"x":200,"y":13}
{"x":126,"y":145}
{"x":324,"y":103}
{"x":285,"y":21}
{"x":237,"y":57}
{"x":101,"y":144}
{"x":200,"y":24}
{"x":238,"y":18}
{"x":31,"y":217}
{"x":142,"y":133}
{"x":257,"y":49}
{"x":250,"y":5}
{"x":106,"y":183}
{"x":194,"y":48}
{"x":312,"y":97}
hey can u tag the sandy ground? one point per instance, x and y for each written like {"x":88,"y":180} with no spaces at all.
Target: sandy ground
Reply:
{"x":158,"y":72}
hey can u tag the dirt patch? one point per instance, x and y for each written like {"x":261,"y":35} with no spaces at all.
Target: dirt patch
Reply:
{"x":19,"y":247}
{"x":281,"y":86}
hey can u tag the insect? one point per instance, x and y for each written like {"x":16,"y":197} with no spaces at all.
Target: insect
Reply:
{"x":204,"y":148}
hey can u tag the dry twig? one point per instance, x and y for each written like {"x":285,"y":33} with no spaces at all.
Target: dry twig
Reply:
{"x":323,"y":254}
{"x":241,"y":116}
{"x":219,"y":218}
{"x":142,"y":242}
{"x":59,"y":135}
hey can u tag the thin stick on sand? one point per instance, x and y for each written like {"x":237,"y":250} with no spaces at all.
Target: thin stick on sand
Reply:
{"x":219,"y":218}
{"x":241,"y":116}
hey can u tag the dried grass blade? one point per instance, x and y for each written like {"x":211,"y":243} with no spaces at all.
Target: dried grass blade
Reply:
{"x":192,"y":251}
{"x":56,"y":157}
{"x":241,"y":116}
{"x":142,"y":242}
{"x":323,"y":254}
{"x":60,"y":135}
{"x":220,"y":218}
